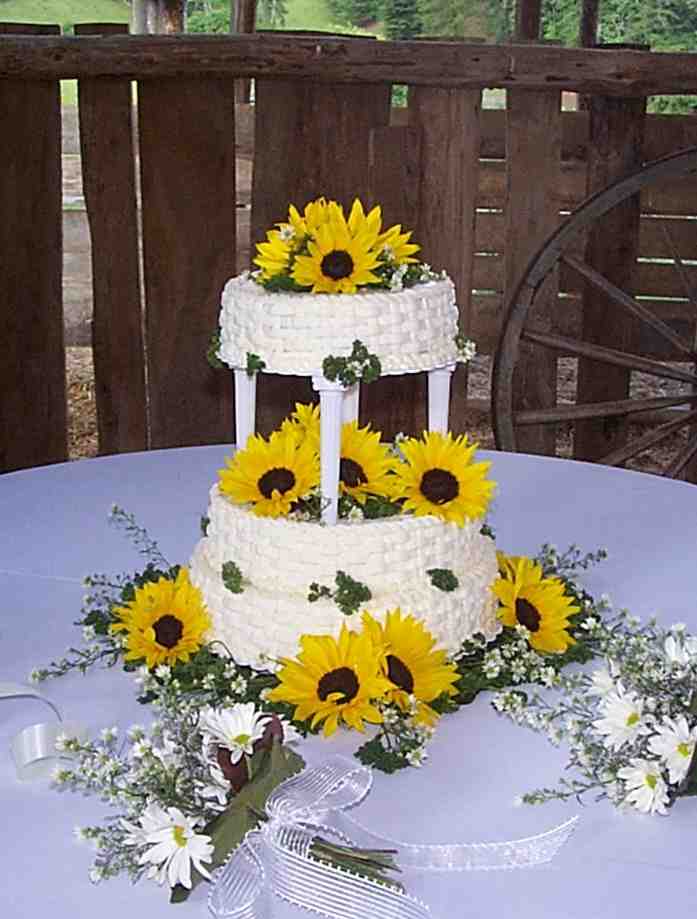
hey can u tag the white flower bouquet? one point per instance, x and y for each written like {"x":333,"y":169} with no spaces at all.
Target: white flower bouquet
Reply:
{"x":631,"y":724}
{"x":186,"y":792}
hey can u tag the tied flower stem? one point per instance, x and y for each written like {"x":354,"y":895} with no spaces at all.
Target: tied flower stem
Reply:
{"x":368,"y":863}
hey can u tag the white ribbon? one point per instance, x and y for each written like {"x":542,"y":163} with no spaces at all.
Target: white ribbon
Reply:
{"x":277,"y":855}
{"x":34,"y":749}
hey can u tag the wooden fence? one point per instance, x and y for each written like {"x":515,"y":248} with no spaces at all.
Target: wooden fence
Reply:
{"x":482,"y":190}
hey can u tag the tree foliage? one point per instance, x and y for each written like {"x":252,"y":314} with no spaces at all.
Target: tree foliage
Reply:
{"x":214,"y":15}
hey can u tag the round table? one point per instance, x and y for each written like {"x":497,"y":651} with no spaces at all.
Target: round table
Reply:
{"x":55,"y":531}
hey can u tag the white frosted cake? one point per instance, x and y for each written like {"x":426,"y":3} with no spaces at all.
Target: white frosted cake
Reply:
{"x":410,"y":331}
{"x":323,"y":505}
{"x":283,"y":557}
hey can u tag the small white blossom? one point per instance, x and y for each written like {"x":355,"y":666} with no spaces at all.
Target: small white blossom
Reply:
{"x":109,"y":734}
{"x":163,"y":671}
{"x":174,"y":846}
{"x":647,"y":791}
{"x":623,"y":719}
{"x":417,"y":757}
{"x":236,"y":728}
{"x":675,"y":743}
{"x":286,"y":232}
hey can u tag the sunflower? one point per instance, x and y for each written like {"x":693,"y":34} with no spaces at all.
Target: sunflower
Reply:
{"x":315,"y":214}
{"x":439,"y":478}
{"x":410,"y":664}
{"x":270,"y":475}
{"x":366,"y":464}
{"x":303,"y":424}
{"x":339,"y":260}
{"x":395,"y":246}
{"x":540,"y":604}
{"x":274,"y":255}
{"x":165,"y":622}
{"x":333,"y":680}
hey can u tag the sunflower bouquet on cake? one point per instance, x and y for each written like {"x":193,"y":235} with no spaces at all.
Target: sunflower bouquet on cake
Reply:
{"x":432,"y":475}
{"x":323,"y":251}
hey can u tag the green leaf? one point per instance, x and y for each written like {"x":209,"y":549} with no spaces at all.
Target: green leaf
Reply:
{"x":232,"y":577}
{"x":227,"y":830}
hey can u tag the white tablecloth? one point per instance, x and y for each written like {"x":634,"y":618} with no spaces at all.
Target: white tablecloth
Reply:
{"x":55,"y":532}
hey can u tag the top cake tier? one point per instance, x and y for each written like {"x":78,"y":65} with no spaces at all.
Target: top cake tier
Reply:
{"x":409,"y":330}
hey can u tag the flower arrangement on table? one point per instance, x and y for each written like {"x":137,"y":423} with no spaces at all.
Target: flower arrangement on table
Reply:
{"x":388,"y":673}
{"x":631,"y":724}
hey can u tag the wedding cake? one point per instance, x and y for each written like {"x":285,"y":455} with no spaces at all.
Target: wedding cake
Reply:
{"x":322,"y":510}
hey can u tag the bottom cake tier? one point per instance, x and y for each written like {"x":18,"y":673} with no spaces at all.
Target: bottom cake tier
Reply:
{"x":279,"y":559}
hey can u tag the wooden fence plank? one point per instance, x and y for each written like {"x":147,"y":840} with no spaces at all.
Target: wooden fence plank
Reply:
{"x":186,"y":130}
{"x":489,"y":237}
{"x":675,"y":198}
{"x":616,"y":133}
{"x":651,"y":279}
{"x":108,"y":169}
{"x":449,"y":122}
{"x":619,"y":73}
{"x":33,"y":417}
{"x":533,"y":149}
{"x":318,"y":142}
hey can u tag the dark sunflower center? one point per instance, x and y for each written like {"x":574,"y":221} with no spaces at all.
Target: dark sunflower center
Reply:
{"x":527,"y":615}
{"x":277,"y":479}
{"x":399,"y":674}
{"x":342,"y":680}
{"x":351,"y":473}
{"x":439,"y":486}
{"x":168,"y":630}
{"x":337,"y":264}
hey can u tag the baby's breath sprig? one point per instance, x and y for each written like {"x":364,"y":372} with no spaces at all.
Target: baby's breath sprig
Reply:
{"x":359,"y":365}
{"x":400,"y":743}
{"x":630,"y":725}
{"x":138,"y":536}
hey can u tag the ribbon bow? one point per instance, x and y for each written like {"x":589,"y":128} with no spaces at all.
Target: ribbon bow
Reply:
{"x":34,"y":748}
{"x":277,"y":855}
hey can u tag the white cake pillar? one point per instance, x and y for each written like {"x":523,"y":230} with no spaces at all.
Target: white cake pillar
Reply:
{"x":245,"y":406}
{"x":439,"y":398}
{"x":331,"y":401}
{"x":349,"y":409}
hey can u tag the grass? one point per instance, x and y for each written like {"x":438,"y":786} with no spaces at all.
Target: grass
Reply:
{"x":64,"y":12}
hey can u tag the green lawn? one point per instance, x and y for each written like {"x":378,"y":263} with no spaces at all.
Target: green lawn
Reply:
{"x":64,"y":12}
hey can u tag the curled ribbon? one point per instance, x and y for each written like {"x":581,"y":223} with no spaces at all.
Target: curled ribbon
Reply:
{"x":34,"y":749}
{"x":277,"y":855}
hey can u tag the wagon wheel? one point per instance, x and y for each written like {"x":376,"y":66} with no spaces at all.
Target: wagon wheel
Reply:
{"x":561,"y":248}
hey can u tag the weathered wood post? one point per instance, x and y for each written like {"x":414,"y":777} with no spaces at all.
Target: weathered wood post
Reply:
{"x":615,"y":149}
{"x":243,"y":21}
{"x":531,"y":212}
{"x":32,"y":370}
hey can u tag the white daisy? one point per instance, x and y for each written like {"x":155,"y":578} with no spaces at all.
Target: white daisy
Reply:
{"x":680,"y":650}
{"x":174,"y":846}
{"x":624,"y":719}
{"x":237,"y":728}
{"x":646,"y":789}
{"x":602,"y":682}
{"x":675,"y":743}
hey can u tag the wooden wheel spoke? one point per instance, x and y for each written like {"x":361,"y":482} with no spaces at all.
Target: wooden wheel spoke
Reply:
{"x":626,"y":301}
{"x":560,"y":413}
{"x":681,"y":460}
{"x":638,"y":444}
{"x":690,"y":288}
{"x":608,"y":355}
